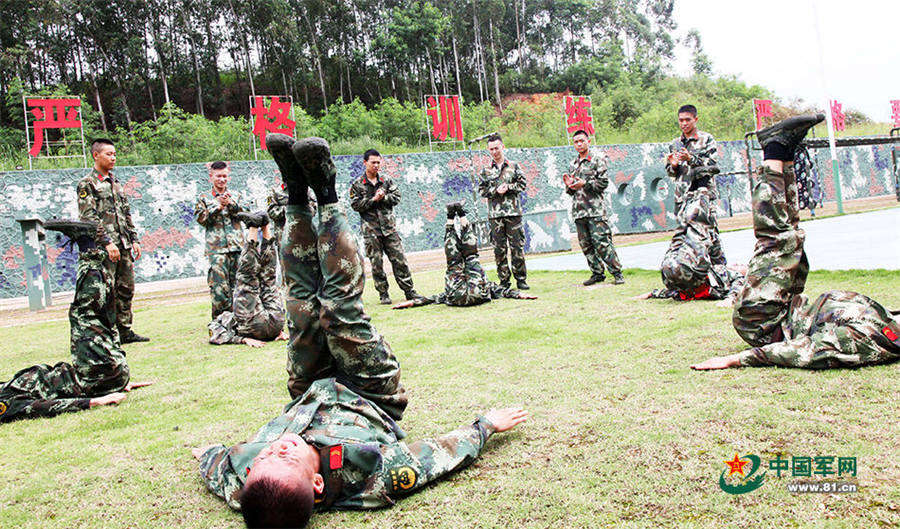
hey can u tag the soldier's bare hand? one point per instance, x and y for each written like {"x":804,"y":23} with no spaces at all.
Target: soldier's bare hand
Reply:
{"x":526,"y":296}
{"x":105,"y":400}
{"x":252,"y":342}
{"x":113,"y":251}
{"x":135,"y":385}
{"x":404,"y":304}
{"x":136,"y":248}
{"x":379,"y":194}
{"x":645,"y":295}
{"x":223,"y":199}
{"x":719,"y":362}
{"x":502,"y":189}
{"x":506,"y":418}
{"x":577,"y":183}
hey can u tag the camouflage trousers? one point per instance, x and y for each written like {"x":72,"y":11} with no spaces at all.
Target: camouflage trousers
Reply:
{"x":98,"y":363}
{"x":220,"y":278}
{"x":330,"y":333}
{"x":257,"y":307}
{"x":508,"y":232}
{"x":390,"y":245}
{"x":687,"y":261}
{"x":465,"y":283}
{"x":122,"y":272}
{"x":778,"y":269}
{"x":595,"y":239}
{"x":683,"y":199}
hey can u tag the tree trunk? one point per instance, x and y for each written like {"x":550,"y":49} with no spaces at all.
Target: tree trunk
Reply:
{"x":494,"y":62}
{"x":99,"y":104}
{"x":518,"y":39}
{"x":477,"y":51}
{"x":312,"y":35}
{"x":456,"y":63}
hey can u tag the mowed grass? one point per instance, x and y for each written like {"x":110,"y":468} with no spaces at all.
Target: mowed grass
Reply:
{"x":621,"y":434}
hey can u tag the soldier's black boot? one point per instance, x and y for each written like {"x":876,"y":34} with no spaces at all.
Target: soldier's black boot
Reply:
{"x":412,"y":294}
{"x":130,"y":336}
{"x":789,"y":132}
{"x":255,"y":219}
{"x":522,"y":285}
{"x":595,"y":278}
{"x":618,"y":279}
{"x":314,"y":157}
{"x":83,"y":233}
{"x":279,"y":146}
{"x":384,"y":298}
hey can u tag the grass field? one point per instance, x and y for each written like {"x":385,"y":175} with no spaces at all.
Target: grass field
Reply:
{"x":621,"y":433}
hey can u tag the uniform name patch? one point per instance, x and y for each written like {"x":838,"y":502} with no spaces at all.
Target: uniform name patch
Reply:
{"x":336,"y":457}
{"x":891,"y":335}
{"x":403,"y":478}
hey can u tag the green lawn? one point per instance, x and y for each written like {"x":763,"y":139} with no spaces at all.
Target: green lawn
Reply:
{"x":621,"y":433}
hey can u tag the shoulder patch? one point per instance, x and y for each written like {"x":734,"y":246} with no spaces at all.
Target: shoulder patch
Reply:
{"x":82,"y":193}
{"x":403,"y":478}
{"x":889,"y":333}
{"x":3,"y":407}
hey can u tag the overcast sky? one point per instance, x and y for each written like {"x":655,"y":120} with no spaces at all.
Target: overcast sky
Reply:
{"x":773,"y":43}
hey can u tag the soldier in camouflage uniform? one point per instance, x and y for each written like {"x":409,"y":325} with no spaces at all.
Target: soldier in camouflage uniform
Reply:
{"x":839,"y":329}
{"x":693,"y":163}
{"x":501,"y":183}
{"x":465,"y":283}
{"x":98,"y":374}
{"x":257,"y":314}
{"x":333,"y":449}
{"x":687,"y":270}
{"x":216,"y":211}
{"x":102,"y":200}
{"x":585,"y":182}
{"x":374,"y":197}
{"x":330,"y":333}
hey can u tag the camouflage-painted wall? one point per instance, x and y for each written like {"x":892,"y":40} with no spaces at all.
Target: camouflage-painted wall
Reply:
{"x":162,"y":200}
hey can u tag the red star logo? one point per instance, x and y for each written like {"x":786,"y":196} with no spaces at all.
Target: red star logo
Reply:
{"x":736,"y":466}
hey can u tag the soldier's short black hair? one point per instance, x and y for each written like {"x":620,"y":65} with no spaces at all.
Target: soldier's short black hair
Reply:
{"x":690,"y":109}
{"x":267,"y":502}
{"x":370,"y":152}
{"x":98,"y":144}
{"x":580,"y":132}
{"x":495,"y":137}
{"x":219,"y":164}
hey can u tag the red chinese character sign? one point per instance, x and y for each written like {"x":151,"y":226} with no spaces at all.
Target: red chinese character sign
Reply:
{"x":271,"y":114}
{"x":444,"y":118}
{"x":52,"y":113}
{"x":578,"y":114}
{"x":895,"y":112}
{"x":837,"y":116}
{"x":762,"y":108}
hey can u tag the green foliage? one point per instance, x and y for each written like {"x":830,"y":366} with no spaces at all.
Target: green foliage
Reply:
{"x":348,"y":120}
{"x":400,"y":123}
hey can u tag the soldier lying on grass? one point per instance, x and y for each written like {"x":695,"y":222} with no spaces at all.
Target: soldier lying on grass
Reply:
{"x":98,"y":374}
{"x":257,"y":311}
{"x":465,"y":281}
{"x":839,"y":329}
{"x":333,"y":449}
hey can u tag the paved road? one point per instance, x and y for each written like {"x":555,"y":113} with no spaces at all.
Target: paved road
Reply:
{"x":863,"y":241}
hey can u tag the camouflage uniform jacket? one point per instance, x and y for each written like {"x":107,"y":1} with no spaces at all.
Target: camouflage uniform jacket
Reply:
{"x":588,"y":201}
{"x":704,"y":154}
{"x":223,"y":231}
{"x":507,"y":204}
{"x":360,"y":445}
{"x":223,"y":329}
{"x":377,"y":216}
{"x":102,"y":200}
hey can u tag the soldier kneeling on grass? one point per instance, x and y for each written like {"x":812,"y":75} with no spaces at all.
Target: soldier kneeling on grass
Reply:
{"x":257,"y":313}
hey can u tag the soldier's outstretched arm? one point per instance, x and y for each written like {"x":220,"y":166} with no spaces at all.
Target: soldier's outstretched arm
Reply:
{"x":410,"y":467}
